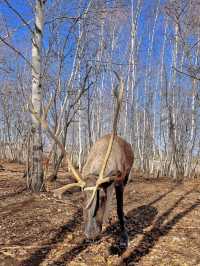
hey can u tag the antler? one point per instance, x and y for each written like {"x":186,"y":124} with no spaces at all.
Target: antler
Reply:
{"x":80,"y":183}
{"x":43,"y":121}
{"x":101,"y":179}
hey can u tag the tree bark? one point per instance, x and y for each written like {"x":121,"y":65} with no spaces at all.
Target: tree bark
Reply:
{"x":36,"y":182}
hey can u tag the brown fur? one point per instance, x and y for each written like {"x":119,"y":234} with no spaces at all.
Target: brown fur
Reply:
{"x":121,"y":158}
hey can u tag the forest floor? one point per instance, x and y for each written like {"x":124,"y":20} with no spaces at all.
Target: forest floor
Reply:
{"x":163,"y":221}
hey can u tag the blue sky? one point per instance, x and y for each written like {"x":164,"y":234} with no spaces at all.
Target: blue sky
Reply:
{"x":21,"y":39}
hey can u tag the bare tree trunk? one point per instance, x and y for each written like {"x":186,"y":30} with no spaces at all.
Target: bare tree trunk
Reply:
{"x":172,"y":120}
{"x":145,"y":144}
{"x":162,"y":111}
{"x":80,"y":108}
{"x":133,"y":60}
{"x":36,"y":182}
{"x":28,"y":165}
{"x":89,"y":120}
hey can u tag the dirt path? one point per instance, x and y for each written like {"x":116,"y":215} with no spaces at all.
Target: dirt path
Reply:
{"x":163,"y":221}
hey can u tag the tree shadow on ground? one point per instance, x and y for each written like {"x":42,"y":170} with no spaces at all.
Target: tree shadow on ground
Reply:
{"x":137,"y":220}
{"x":131,"y":257}
{"x":13,"y":194}
{"x":40,"y":254}
{"x":136,"y":224}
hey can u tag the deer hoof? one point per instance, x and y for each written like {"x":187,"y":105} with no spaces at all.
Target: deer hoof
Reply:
{"x":123,"y":242}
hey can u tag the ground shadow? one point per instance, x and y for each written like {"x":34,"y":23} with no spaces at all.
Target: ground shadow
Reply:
{"x":131,"y":257}
{"x":39,"y":255}
{"x":13,"y":194}
{"x":137,"y":220}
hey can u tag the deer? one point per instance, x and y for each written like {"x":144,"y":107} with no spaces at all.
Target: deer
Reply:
{"x":115,"y":178}
{"x":106,"y":171}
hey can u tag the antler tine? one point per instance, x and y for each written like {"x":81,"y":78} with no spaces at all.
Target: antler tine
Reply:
{"x":101,"y":180}
{"x":44,"y":124}
{"x":60,"y":191}
{"x":114,"y":130}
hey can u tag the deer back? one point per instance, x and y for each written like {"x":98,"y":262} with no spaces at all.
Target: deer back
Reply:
{"x":121,"y":157}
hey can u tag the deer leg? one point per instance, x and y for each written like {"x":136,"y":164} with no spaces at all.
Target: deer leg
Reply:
{"x":126,"y":179}
{"x":119,"y":189}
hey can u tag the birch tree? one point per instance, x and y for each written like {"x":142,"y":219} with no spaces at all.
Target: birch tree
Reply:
{"x":36,"y":174}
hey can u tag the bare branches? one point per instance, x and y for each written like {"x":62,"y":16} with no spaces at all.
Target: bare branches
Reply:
{"x":16,"y":51}
{"x":64,"y":17}
{"x":42,"y":120}
{"x":19,"y":15}
{"x":186,"y":74}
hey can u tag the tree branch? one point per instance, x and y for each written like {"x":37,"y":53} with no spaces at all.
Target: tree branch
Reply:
{"x":186,"y":74}
{"x":16,"y":51}
{"x":19,"y":15}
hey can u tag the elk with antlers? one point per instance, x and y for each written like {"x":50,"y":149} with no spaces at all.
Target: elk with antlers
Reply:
{"x":106,"y":170}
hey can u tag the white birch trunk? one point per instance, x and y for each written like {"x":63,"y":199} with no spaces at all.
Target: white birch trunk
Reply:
{"x":80,"y":112}
{"x":36,"y":183}
{"x":188,"y":168}
{"x":173,"y":133}
{"x":161,"y":133}
{"x":132,"y":65}
{"x":145,"y":159}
